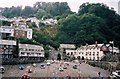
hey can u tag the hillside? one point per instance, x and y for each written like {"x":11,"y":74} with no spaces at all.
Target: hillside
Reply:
{"x":49,"y":31}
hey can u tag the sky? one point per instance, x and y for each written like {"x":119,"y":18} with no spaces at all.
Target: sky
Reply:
{"x":73,"y":4}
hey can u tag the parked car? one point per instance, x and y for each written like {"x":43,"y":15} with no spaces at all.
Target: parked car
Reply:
{"x":42,"y":66}
{"x":34,"y":65}
{"x":64,"y":67}
{"x":68,"y":77}
{"x":2,"y":69}
{"x":25,"y":76}
{"x":60,"y":69}
{"x":67,"y":63}
{"x":75,"y":67}
{"x":21,"y":67}
{"x":116,"y":74}
{"x":48,"y":63}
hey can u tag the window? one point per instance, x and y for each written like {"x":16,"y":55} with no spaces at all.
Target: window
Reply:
{"x":90,"y":53}
{"x":71,"y":53}
{"x":74,"y":52}
{"x":11,"y":46}
{"x":32,"y":49}
{"x":93,"y":53}
{"x":22,"y":53}
{"x":28,"y":54}
{"x":90,"y":58}
{"x":25,"y":49}
{"x":29,"y":49}
{"x":97,"y":53}
{"x":42,"y":50}
{"x":97,"y":58}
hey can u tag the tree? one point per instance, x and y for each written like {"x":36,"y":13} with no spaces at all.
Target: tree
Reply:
{"x":81,"y":29}
{"x":12,"y":12}
{"x":28,"y":11}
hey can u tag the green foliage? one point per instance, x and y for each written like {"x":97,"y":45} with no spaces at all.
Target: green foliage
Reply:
{"x":94,"y":22}
{"x":54,"y":8}
{"x":46,"y":48}
{"x":12,"y":12}
{"x":40,"y":13}
{"x":27,"y":41}
{"x":111,"y":19}
{"x":40,"y":9}
{"x":41,"y":24}
{"x":81,"y":29}
{"x":5,"y":23}
{"x":28,"y":11}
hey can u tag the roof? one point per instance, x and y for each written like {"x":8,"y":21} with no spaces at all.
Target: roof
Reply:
{"x":7,"y":42}
{"x":71,"y":46}
{"x":29,"y":46}
{"x":90,"y":47}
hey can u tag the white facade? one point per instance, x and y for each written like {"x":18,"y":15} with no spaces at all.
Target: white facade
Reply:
{"x":71,"y":53}
{"x":8,"y":30}
{"x":29,"y":33}
{"x":67,"y":46}
{"x":6,"y":48}
{"x":114,"y":50}
{"x":27,"y":50}
{"x":91,"y":52}
{"x":50,"y":21}
{"x":34,"y":19}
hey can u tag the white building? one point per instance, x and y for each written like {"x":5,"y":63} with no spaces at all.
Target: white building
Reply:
{"x":7,"y":47}
{"x":17,"y":32}
{"x":91,"y":52}
{"x":114,"y":50}
{"x":35,"y":20}
{"x":50,"y":21}
{"x":27,"y":50}
{"x":64,"y":47}
{"x":6,"y":31}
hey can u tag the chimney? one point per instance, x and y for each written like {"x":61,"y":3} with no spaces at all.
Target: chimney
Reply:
{"x":86,"y":44}
{"x":96,"y":43}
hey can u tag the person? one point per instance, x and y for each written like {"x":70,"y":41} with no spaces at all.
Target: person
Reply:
{"x":99,"y":74}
